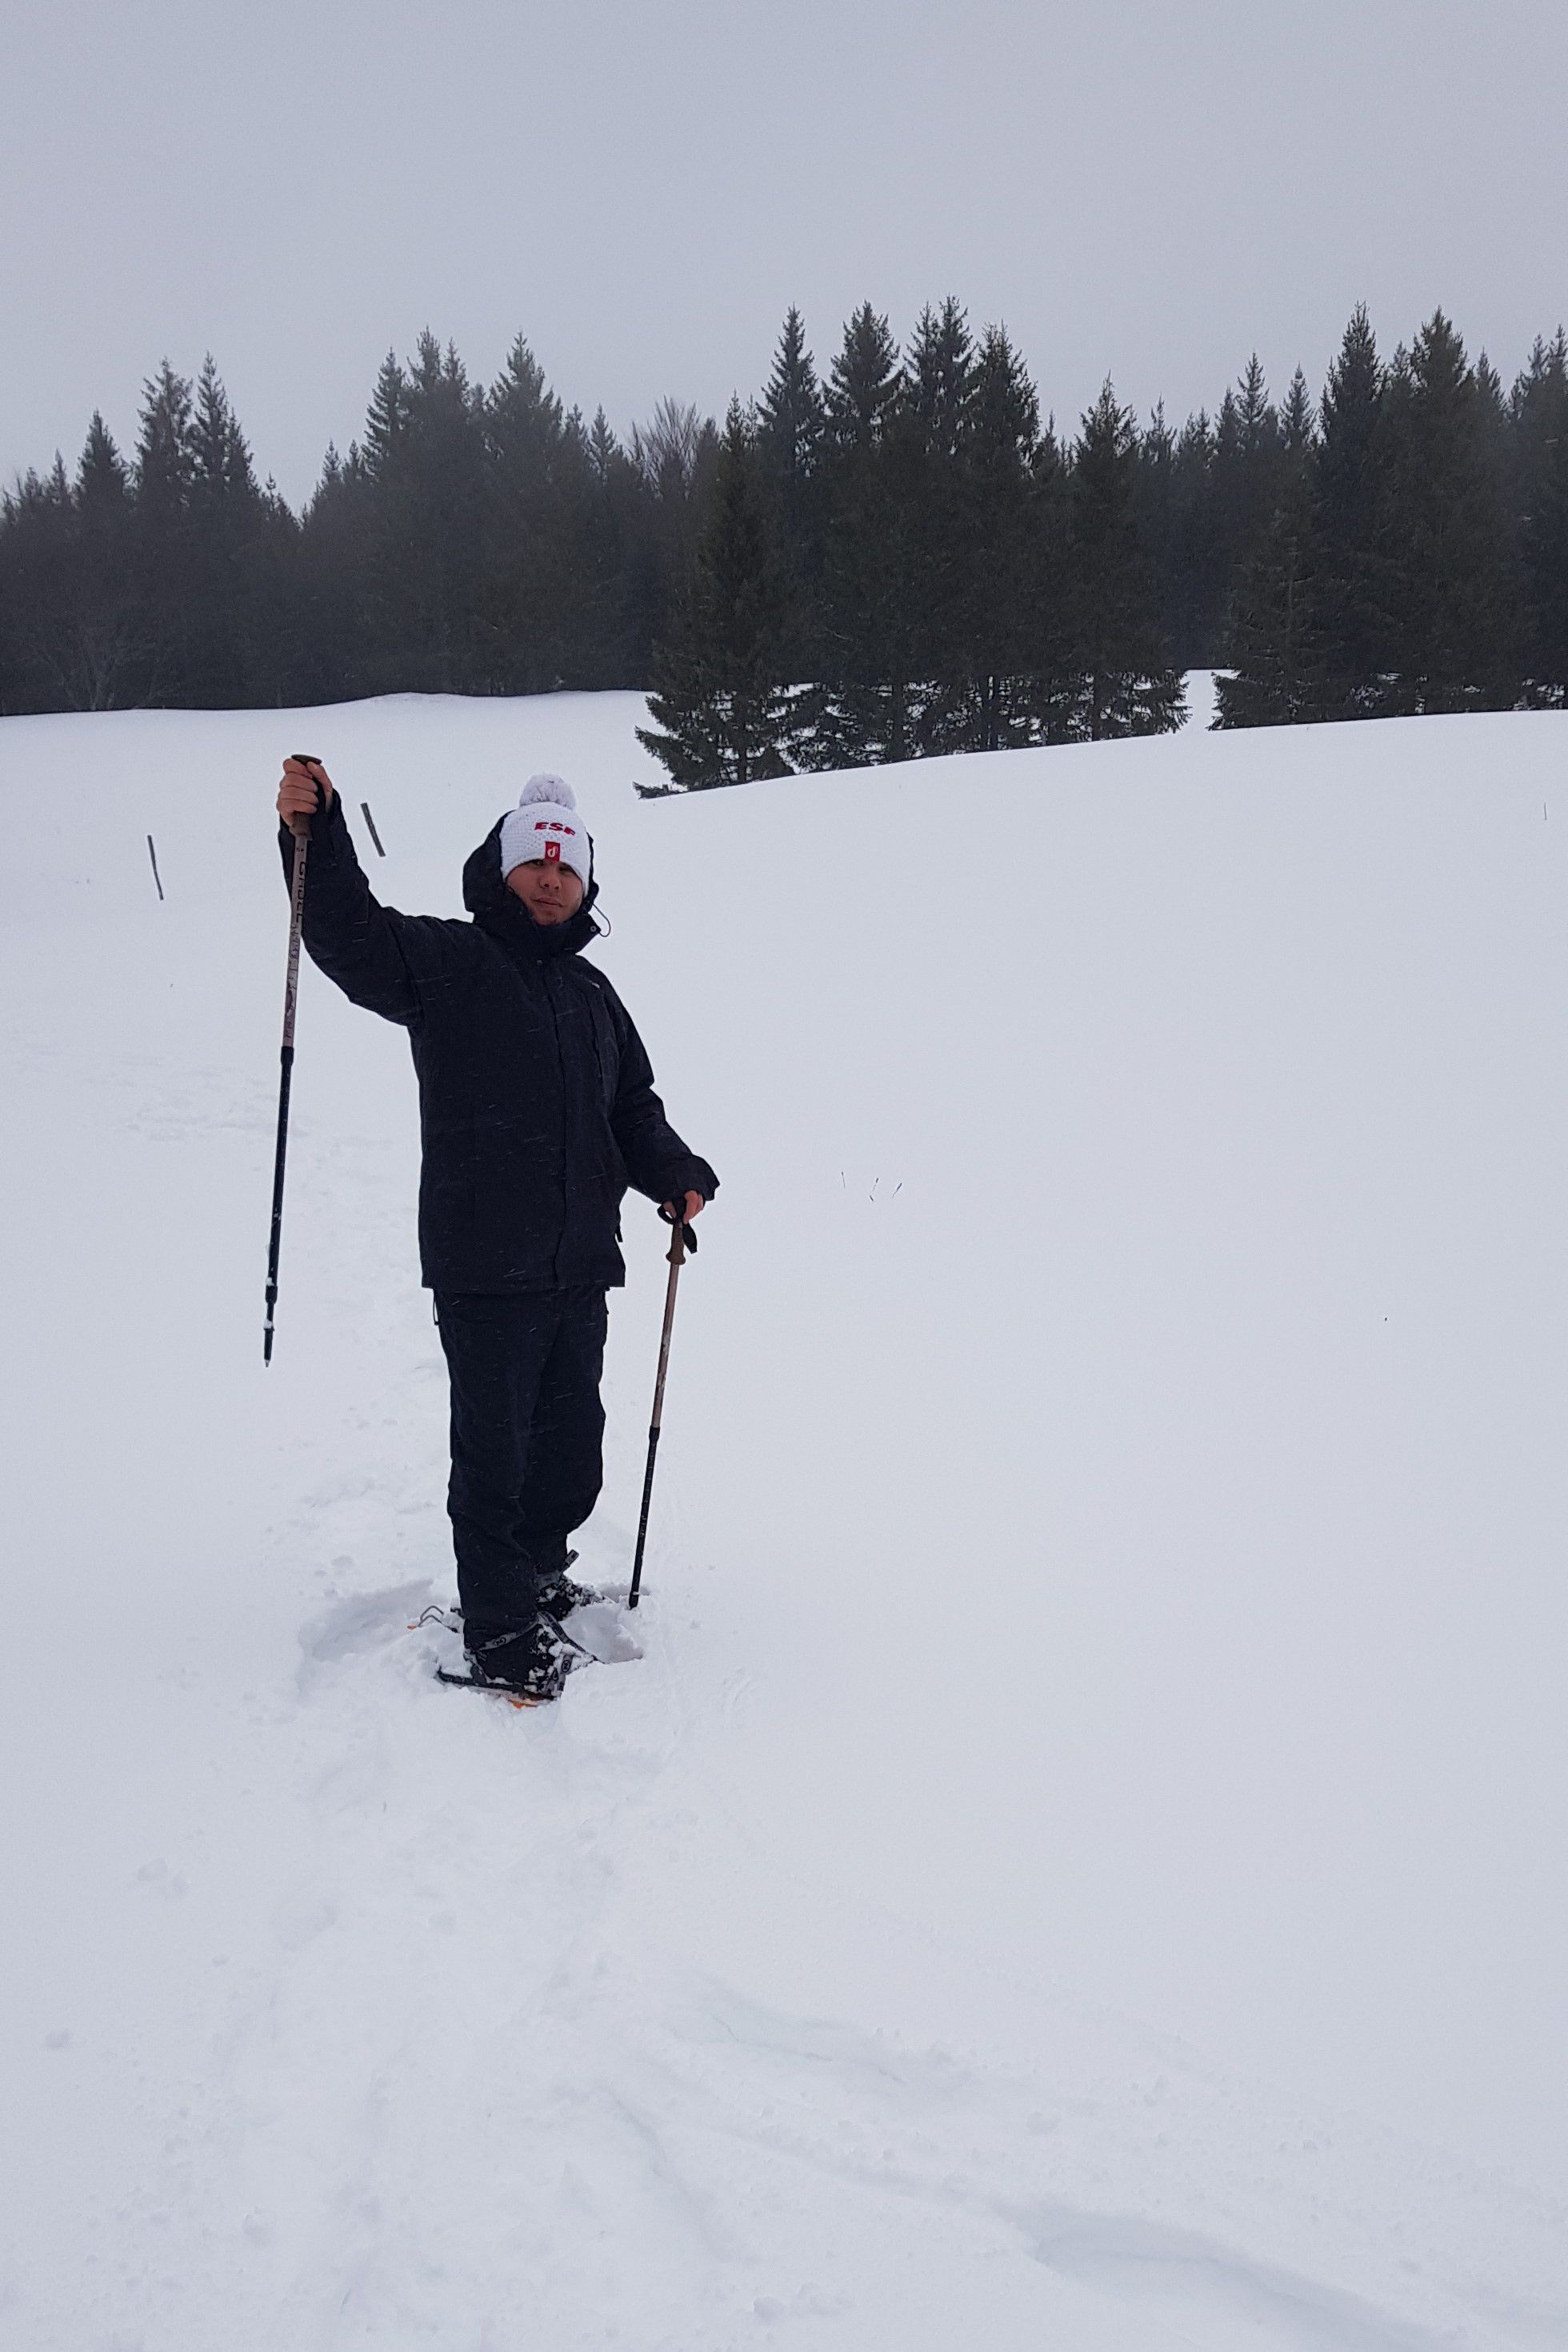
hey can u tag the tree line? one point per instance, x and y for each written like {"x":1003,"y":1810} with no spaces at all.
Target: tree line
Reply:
{"x":894,"y":557}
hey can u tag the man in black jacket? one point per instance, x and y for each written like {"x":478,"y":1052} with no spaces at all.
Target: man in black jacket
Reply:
{"x":537,"y":1110}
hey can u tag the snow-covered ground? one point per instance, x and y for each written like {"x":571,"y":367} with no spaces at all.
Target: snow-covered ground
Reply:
{"x":1081,"y":1862}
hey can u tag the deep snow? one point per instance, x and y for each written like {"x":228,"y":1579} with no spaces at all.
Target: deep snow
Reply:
{"x":1080,"y":1861}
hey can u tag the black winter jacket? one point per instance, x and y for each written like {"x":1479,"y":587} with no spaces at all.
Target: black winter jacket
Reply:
{"x":536,"y":1100}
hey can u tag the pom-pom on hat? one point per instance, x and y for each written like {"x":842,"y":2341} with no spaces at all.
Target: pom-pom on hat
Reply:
{"x":545,"y":825}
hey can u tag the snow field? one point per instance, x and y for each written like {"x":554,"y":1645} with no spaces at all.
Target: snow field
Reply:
{"x":1078,"y":1861}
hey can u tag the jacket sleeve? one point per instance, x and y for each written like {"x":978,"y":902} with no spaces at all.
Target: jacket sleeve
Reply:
{"x":376,"y":956}
{"x":658,"y":1162}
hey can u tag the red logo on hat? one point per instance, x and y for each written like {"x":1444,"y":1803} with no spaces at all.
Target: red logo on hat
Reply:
{"x":552,"y":853}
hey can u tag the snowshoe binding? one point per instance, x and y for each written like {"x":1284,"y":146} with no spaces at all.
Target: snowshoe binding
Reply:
{"x":560,"y":1593}
{"x":527,"y":1664}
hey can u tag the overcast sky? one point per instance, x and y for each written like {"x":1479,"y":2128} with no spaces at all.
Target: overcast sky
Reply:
{"x":1147,"y":188}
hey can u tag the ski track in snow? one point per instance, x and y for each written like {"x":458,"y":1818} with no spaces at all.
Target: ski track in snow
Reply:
{"x":350,"y":2010}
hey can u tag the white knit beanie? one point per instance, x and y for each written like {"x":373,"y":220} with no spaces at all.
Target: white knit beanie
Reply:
{"x":545,"y":825}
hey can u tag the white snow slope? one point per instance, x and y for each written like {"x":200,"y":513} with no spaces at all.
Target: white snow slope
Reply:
{"x":1081,"y":1860}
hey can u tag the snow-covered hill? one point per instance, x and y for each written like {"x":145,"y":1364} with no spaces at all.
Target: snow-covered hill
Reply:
{"x":1081,"y":1860}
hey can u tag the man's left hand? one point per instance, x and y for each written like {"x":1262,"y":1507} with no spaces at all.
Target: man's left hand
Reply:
{"x":695,"y":1204}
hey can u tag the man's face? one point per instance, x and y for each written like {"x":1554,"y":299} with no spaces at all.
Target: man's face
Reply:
{"x":551,"y":892}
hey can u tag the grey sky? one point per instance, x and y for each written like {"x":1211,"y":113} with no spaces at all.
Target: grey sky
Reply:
{"x":1146,"y":189}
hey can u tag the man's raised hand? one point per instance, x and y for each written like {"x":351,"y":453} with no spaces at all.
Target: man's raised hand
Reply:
{"x":305,"y":789}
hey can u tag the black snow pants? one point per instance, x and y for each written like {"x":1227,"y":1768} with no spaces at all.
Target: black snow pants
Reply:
{"x":527,"y":1442}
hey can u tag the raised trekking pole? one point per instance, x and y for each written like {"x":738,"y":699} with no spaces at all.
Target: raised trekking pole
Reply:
{"x":681,"y":1240}
{"x":291,"y":997}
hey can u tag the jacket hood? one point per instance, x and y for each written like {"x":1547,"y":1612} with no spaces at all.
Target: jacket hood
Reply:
{"x":502,"y":913}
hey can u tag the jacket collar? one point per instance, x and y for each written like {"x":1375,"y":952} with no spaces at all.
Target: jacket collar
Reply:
{"x":502,"y":913}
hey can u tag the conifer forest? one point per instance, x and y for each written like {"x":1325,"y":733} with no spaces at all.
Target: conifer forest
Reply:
{"x":898,"y":556}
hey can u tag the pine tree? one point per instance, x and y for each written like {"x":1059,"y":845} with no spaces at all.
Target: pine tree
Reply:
{"x":102,"y":483}
{"x":1050,"y":652}
{"x":329,"y":615}
{"x":611,"y":508}
{"x":1126,"y":684}
{"x":791,"y":420}
{"x":273,"y":650}
{"x":863,"y":385}
{"x":604,"y":451}
{"x":791,"y":416}
{"x":37,"y":584}
{"x":105,"y":648}
{"x":532,"y":585}
{"x":450,"y":487}
{"x":1540,"y":418}
{"x":220,"y":455}
{"x":1297,"y":421}
{"x":1496,"y":432}
{"x":998,"y":624}
{"x":425,"y":470}
{"x":227,"y":518}
{"x":165,"y":466}
{"x":925,"y":469}
{"x":524,"y":420}
{"x":723,"y":714}
{"x":1272,"y":679}
{"x":1453,"y":641}
{"x":938,"y":378}
{"x":376,"y":544}
{"x":1157,"y":517}
{"x":864,"y":707}
{"x":387,"y":420}
{"x":1246,"y":483}
{"x":1193,"y":605}
{"x":1353,"y":579}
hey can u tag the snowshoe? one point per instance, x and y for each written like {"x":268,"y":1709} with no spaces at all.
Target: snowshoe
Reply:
{"x":528,"y":1664}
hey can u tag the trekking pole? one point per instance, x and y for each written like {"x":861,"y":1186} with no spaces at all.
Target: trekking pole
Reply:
{"x":291,"y":997}
{"x":680,"y":1240}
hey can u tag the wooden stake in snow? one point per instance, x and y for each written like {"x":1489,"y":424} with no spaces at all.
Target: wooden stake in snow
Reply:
{"x":373,"y":835}
{"x":153,"y":855}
